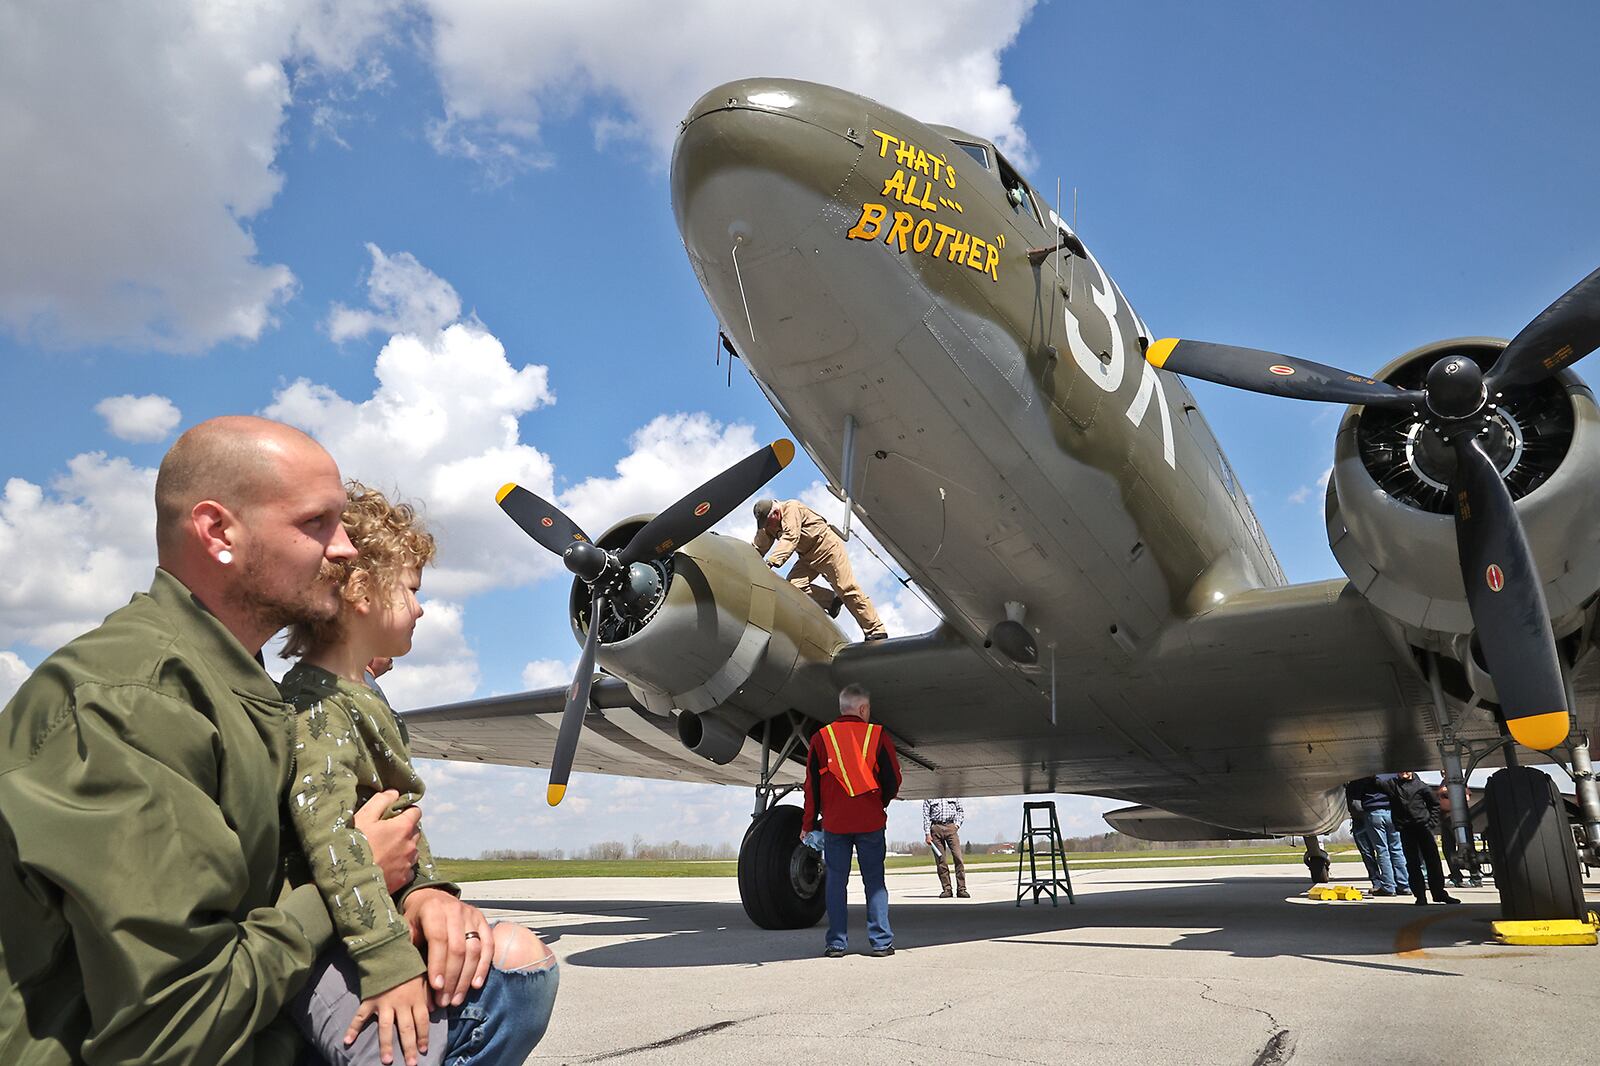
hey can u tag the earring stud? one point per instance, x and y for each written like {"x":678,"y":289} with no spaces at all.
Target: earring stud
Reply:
{"x":224,"y":557}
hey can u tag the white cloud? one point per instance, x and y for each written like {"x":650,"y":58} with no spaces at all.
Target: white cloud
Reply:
{"x":140,"y":419}
{"x":71,"y":555}
{"x":139,"y":140}
{"x":508,"y":67}
{"x":547,"y":673}
{"x":406,"y":297}
{"x":1306,"y":492}
{"x":13,"y":672}
{"x":441,"y":667}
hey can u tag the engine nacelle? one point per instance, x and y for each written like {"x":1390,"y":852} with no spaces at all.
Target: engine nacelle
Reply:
{"x":714,"y":632}
{"x":1389,"y":513}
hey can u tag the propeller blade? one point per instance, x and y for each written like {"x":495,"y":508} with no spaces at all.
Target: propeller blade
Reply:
{"x":1506,"y":598}
{"x":1275,"y":375}
{"x":1559,"y":336}
{"x":708,"y":504}
{"x":539,"y":519}
{"x":577,"y":707}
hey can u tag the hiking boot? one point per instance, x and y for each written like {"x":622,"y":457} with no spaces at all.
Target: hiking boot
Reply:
{"x":833,"y":953}
{"x":963,"y":893}
{"x":945,"y":894}
{"x":833,"y":608}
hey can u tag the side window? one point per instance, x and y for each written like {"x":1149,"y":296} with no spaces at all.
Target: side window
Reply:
{"x":1017,"y":193}
{"x":976,"y":151}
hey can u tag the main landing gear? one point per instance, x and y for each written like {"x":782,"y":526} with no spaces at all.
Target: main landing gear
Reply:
{"x":780,"y":879}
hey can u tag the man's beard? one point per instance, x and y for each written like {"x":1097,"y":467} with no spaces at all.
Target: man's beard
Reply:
{"x":310,"y":604}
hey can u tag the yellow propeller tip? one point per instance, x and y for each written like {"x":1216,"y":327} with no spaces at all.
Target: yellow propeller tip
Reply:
{"x":554,"y":794}
{"x":783,"y":448}
{"x":1541,"y":732}
{"x":1160,"y":351}
{"x":505,"y":490}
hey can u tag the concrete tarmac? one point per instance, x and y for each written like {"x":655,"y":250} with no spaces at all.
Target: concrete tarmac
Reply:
{"x":1222,"y":964}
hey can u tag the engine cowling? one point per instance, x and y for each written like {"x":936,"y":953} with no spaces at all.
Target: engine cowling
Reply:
{"x":714,"y":632}
{"x":1389,"y":513}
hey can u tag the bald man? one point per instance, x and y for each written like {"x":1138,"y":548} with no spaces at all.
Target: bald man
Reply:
{"x":147,"y":916}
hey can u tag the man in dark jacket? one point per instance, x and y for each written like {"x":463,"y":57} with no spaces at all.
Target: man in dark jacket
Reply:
{"x":1416,"y":812}
{"x":851,"y":775}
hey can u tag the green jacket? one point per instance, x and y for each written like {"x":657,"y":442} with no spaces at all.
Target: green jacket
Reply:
{"x":349,"y":746}
{"x":142,"y":889}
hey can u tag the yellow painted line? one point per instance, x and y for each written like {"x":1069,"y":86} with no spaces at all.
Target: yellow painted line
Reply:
{"x":1408,"y":941}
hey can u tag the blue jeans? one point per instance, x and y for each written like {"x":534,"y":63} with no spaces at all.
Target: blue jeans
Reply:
{"x":1361,"y":833}
{"x":869,"y":849}
{"x":1388,"y":851}
{"x":500,"y":1023}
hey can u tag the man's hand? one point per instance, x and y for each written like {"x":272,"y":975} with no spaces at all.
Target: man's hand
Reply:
{"x":455,"y":937}
{"x":928,"y":840}
{"x":403,"y":1007}
{"x":393,"y":840}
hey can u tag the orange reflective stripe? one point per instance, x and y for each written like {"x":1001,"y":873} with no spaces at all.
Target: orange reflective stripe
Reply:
{"x":838,"y":760}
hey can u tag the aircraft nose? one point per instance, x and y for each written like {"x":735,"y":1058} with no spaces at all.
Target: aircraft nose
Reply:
{"x":757,"y":161}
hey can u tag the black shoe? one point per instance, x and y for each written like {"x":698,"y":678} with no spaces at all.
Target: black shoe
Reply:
{"x":1445,"y":897}
{"x":881,"y":953}
{"x":833,"y":953}
{"x":1422,"y":901}
{"x":876,"y":636}
{"x":833,"y":608}
{"x":1383,"y":892}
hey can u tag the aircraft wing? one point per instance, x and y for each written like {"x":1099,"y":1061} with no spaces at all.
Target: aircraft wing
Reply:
{"x":619,"y":737}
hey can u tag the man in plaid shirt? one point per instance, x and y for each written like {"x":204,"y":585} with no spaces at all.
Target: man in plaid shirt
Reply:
{"x":941,"y":824}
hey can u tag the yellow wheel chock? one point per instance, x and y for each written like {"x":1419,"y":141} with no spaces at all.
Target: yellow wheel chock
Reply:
{"x":1334,"y":892}
{"x":1552,"y":932}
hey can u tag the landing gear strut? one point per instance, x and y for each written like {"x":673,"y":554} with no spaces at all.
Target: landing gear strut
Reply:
{"x":1316,"y":860}
{"x":780,"y":879}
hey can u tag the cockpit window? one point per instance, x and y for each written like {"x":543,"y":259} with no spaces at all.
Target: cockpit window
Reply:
{"x":976,"y":151}
{"x":1017,"y":191}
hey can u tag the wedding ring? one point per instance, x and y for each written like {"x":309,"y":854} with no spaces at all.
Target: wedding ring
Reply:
{"x":472,"y":936}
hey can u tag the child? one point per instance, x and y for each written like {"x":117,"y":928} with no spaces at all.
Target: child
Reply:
{"x":350,"y":746}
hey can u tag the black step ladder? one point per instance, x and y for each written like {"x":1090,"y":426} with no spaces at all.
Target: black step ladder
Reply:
{"x":1033,"y":831}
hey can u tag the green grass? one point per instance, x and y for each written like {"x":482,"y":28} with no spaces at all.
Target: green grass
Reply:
{"x":495,"y":869}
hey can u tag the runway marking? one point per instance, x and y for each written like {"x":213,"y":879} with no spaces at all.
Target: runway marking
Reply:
{"x":1408,"y":941}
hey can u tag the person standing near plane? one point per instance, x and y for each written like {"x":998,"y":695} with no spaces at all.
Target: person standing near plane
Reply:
{"x":1387,"y":849}
{"x":1416,"y":813}
{"x":941,"y":828}
{"x":798,"y":531}
{"x":851,"y":775}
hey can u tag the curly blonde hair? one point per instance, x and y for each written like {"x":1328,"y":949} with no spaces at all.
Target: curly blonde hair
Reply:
{"x":389,"y":539}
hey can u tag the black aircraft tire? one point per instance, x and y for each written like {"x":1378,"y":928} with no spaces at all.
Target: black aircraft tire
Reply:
{"x":769,"y":859}
{"x":1535,"y":861}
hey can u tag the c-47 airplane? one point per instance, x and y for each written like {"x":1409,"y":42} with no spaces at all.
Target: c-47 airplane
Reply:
{"x":985,"y":398}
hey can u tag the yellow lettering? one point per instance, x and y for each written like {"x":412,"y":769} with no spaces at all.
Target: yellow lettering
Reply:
{"x":870,"y":224}
{"x":944,"y":232}
{"x":950,"y":175}
{"x":883,"y":149}
{"x":896,"y":185}
{"x":925,"y":203}
{"x":959,"y":247}
{"x":906,"y":154}
{"x":923,"y":236}
{"x":938,"y":165}
{"x":992,"y":263}
{"x":901,"y":227}
{"x":922,"y":162}
{"x":975,"y":254}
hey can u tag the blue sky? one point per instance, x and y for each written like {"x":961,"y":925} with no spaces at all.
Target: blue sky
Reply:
{"x":482,"y":188}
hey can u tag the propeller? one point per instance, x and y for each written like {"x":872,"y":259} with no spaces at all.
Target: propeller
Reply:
{"x":1504,"y":591}
{"x":616,"y":578}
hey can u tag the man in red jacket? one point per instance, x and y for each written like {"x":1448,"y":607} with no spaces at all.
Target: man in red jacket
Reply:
{"x":851,"y":775}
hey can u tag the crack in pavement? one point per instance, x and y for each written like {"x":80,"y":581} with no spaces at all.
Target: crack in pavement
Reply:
{"x":672,"y":1041}
{"x":1279,"y":1047}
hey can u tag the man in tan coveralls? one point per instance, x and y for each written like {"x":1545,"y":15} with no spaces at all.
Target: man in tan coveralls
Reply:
{"x":799,"y":531}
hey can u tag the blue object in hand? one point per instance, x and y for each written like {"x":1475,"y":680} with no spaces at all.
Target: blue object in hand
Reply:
{"x":813,"y":840}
